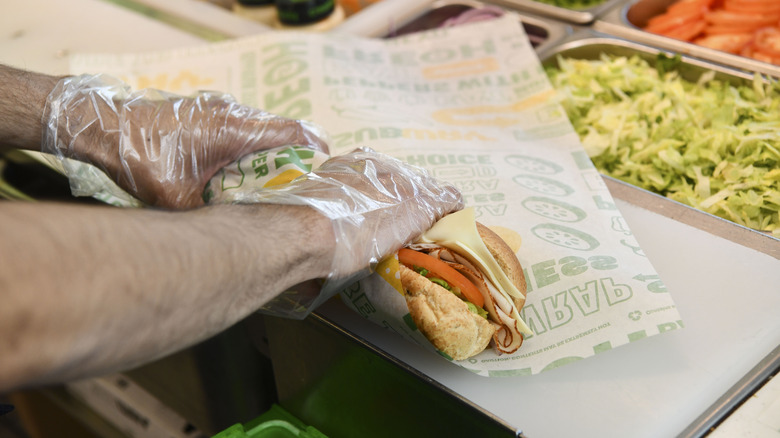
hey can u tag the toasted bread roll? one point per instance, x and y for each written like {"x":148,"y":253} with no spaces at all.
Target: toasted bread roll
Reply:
{"x":506,"y":259}
{"x":444,"y":319}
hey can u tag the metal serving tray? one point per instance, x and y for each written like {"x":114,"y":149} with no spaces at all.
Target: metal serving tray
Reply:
{"x":574,"y":16}
{"x":588,"y":44}
{"x":415,"y":17}
{"x":627,"y":21}
{"x":543,"y":33}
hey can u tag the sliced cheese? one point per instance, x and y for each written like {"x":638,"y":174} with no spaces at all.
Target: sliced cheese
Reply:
{"x":458,"y":231}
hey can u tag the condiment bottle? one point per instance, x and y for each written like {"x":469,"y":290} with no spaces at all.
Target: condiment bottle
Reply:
{"x":308,"y":15}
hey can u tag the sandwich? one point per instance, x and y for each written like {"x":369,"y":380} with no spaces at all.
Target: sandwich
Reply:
{"x":464,"y":288}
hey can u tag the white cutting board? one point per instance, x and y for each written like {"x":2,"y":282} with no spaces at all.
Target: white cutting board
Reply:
{"x":728,"y":296}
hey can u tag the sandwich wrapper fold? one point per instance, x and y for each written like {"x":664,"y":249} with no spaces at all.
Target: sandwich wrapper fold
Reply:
{"x":472,"y":105}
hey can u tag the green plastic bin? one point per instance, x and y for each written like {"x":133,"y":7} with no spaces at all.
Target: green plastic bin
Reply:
{"x":275,"y":423}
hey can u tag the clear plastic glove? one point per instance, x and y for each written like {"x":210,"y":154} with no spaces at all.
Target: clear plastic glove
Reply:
{"x":159,"y":147}
{"x":376,"y":205}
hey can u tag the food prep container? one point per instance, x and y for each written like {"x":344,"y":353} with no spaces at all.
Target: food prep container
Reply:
{"x":274,"y":423}
{"x":375,"y":22}
{"x":574,"y":16}
{"x":590,"y":45}
{"x":628,"y":19}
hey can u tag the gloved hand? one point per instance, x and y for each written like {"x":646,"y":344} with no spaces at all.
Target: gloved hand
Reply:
{"x":159,"y":147}
{"x":376,"y":205}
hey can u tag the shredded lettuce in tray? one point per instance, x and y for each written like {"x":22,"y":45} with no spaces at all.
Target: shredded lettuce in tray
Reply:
{"x":709,"y":144}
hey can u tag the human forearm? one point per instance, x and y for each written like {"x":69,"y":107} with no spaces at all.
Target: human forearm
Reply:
{"x":22,"y":99}
{"x":79,"y":300}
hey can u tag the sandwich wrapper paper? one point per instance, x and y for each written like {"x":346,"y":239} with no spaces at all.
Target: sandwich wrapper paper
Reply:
{"x":473,"y":106}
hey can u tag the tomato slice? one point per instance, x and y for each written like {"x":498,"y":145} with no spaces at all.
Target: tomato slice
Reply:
{"x":684,"y":4}
{"x":752,"y":6}
{"x":706,"y":3}
{"x":732,"y":43}
{"x":663,"y":24}
{"x":767,"y":41}
{"x":716,"y":29}
{"x":688,"y":7}
{"x":750,"y":51}
{"x":730,"y":18}
{"x":438,"y":268}
{"x":687,"y":33}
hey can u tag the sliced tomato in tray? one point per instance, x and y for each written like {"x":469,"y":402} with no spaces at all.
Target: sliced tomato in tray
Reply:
{"x":682,"y":20}
{"x":732,"y":43}
{"x":720,"y":29}
{"x":664,"y":23}
{"x":767,"y":41}
{"x":749,"y":28}
{"x":752,"y":6}
{"x":729,"y":18}
{"x":750,"y":52}
{"x":686,"y":33}
{"x":685,"y":6}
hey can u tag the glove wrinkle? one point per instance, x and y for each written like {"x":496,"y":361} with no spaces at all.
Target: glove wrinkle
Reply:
{"x":376,"y":204}
{"x":155,"y":147}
